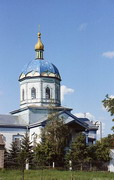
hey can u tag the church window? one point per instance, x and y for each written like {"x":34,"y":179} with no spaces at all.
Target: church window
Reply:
{"x":47,"y":93}
{"x":17,"y":142}
{"x":33,"y":93}
{"x":23,"y":95}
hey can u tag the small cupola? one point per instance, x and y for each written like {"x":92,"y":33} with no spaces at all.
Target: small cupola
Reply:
{"x":39,"y":47}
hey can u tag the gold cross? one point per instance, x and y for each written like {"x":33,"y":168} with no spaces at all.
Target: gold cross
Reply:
{"x":38,"y":27}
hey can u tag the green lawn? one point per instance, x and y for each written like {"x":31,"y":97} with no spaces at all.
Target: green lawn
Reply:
{"x":55,"y":175}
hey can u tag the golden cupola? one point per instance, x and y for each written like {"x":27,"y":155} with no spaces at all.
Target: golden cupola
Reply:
{"x":39,"y":47}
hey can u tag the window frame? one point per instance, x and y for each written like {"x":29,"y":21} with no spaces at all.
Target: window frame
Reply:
{"x":33,"y":93}
{"x":48,"y":93}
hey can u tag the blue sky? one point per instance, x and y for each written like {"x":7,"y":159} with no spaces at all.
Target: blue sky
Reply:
{"x":79,"y":39}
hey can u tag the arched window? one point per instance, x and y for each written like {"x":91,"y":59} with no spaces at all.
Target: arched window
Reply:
{"x":23,"y":95}
{"x":33,"y":93}
{"x":47,"y":93}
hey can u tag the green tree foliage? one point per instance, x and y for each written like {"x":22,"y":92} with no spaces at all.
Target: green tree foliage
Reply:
{"x":108,"y":103}
{"x":6,"y":154}
{"x":87,"y":156}
{"x":11,"y":156}
{"x":19,"y":155}
{"x":91,"y":156}
{"x":102,"y":153}
{"x":111,"y":141}
{"x":103,"y":148}
{"x":54,"y":138}
{"x":25,"y":155}
{"x":78,"y":151}
{"x":39,"y":157}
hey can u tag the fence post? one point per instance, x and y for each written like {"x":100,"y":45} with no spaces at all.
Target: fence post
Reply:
{"x":70,"y":165}
{"x":53,"y":165}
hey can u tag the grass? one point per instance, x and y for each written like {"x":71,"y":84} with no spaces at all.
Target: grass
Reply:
{"x":55,"y":175}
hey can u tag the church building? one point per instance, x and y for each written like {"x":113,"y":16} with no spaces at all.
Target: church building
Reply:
{"x":40,"y":84}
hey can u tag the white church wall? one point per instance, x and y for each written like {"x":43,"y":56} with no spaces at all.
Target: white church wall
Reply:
{"x":36,"y":85}
{"x":23,"y":87}
{"x":8,"y":134}
{"x":27,"y":85}
{"x":111,"y":163}
{"x":52,"y":89}
{"x":52,"y":84}
{"x":40,"y":84}
{"x":57,"y":93}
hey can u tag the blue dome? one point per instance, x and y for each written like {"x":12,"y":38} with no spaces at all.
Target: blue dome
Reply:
{"x":40,"y":68}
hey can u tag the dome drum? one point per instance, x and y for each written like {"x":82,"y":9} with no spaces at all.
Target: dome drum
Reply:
{"x":40,"y":91}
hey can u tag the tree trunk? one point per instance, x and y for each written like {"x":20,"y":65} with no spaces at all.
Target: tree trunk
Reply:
{"x":23,"y":174}
{"x":90,"y":166}
{"x":81,"y":167}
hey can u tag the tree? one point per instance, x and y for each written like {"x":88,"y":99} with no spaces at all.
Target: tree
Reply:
{"x":89,"y":156}
{"x":78,"y":151}
{"x":26,"y":146}
{"x":25,"y":154}
{"x":102,"y":152}
{"x":54,"y":138}
{"x":108,"y":103}
{"x":6,"y":159}
{"x":11,"y":157}
{"x":41,"y":155}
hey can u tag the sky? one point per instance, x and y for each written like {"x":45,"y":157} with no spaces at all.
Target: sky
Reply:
{"x":78,"y":36}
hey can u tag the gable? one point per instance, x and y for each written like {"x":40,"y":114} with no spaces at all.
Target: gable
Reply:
{"x":73,"y":121}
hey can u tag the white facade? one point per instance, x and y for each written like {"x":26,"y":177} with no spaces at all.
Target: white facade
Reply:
{"x":12,"y":134}
{"x":111,"y":164}
{"x":33,"y":92}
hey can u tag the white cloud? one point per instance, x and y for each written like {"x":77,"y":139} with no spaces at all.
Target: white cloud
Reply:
{"x":111,"y":96}
{"x":65,"y":90}
{"x":87,"y":115}
{"x":108,"y":54}
{"x":82,"y":27}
